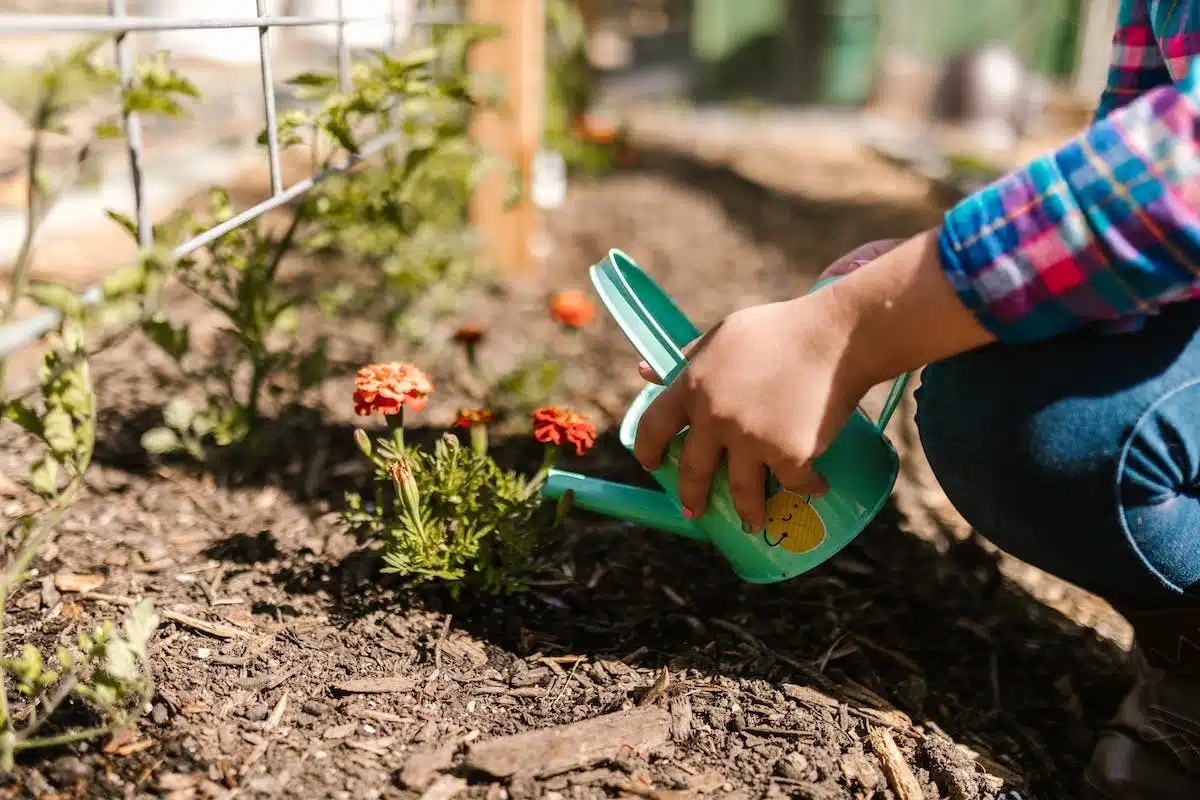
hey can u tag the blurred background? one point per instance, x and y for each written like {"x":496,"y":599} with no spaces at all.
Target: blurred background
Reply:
{"x":956,"y":92}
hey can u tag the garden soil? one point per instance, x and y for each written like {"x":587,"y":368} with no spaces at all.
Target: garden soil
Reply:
{"x":919,"y":663}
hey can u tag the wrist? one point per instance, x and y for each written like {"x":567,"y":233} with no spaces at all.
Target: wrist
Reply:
{"x":899,"y":312}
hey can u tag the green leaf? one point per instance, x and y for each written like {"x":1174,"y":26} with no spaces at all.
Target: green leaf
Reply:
{"x":174,"y":341}
{"x":313,"y":368}
{"x":123,"y":220}
{"x":178,"y":414}
{"x":126,"y":280}
{"x":161,"y":441}
{"x":140,"y":627}
{"x":57,"y":296}
{"x":58,"y":431}
{"x":43,"y":476}
{"x":313,"y":79}
{"x":24,"y":416}
{"x":287,"y":320}
{"x":339,"y":130}
{"x":108,"y":130}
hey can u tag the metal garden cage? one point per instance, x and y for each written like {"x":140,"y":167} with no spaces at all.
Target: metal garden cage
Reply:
{"x":415,"y":17}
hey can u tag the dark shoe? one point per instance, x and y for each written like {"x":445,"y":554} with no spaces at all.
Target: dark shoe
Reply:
{"x":1151,"y":748}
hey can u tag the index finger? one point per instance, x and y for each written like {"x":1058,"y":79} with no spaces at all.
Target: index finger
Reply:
{"x":660,"y":423}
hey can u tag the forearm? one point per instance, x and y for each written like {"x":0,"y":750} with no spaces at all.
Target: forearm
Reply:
{"x":899,"y":312}
{"x":1105,"y":228}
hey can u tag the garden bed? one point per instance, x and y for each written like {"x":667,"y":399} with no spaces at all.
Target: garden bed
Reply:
{"x":287,"y":666}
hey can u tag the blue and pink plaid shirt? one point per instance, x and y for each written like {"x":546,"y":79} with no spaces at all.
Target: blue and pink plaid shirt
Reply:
{"x":1106,"y":229}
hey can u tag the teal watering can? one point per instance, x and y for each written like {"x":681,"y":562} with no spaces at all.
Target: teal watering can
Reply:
{"x":801,"y":532}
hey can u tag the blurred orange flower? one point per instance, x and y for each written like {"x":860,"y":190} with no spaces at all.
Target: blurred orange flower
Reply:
{"x":595,"y":128}
{"x":390,"y":387}
{"x":557,"y":425}
{"x":573,"y":308}
{"x":470,"y":417}
{"x":469,"y":334}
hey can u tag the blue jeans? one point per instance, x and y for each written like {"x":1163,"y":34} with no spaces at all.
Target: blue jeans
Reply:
{"x":1080,"y":455}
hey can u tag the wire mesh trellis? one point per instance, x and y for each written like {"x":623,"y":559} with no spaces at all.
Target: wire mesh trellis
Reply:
{"x":117,"y":22}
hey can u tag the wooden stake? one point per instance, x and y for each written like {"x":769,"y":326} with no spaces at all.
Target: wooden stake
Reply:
{"x":515,"y":134}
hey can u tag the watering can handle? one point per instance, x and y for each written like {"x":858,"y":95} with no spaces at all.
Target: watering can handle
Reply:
{"x":659,"y":331}
{"x":651,"y":322}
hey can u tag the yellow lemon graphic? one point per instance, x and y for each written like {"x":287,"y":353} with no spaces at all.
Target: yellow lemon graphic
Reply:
{"x":793,"y":524}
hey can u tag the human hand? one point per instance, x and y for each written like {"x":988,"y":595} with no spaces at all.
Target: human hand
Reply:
{"x":767,"y":389}
{"x":770,"y":386}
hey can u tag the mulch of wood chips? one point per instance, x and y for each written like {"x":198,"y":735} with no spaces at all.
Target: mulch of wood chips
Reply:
{"x":917,"y":664}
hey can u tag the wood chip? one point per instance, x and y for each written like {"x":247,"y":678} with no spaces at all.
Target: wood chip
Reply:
{"x":806,"y":695}
{"x":390,"y":685}
{"x":657,"y":689}
{"x":339,"y":731}
{"x":277,"y":713}
{"x":681,"y":719}
{"x":135,"y":747}
{"x":75,"y":582}
{"x":423,"y":768}
{"x":857,"y":767}
{"x":899,"y":775}
{"x":444,"y":788}
{"x":551,"y":751}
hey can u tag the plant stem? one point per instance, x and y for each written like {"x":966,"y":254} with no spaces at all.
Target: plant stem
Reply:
{"x":395,"y":423}
{"x":63,"y":738}
{"x":549,"y":458}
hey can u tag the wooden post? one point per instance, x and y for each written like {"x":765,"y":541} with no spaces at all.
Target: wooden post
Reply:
{"x":514,"y":134}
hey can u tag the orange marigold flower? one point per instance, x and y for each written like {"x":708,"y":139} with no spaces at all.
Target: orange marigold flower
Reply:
{"x":389,"y":387}
{"x":573,"y":308}
{"x":557,"y":425}
{"x":469,"y":334}
{"x":470,"y":417}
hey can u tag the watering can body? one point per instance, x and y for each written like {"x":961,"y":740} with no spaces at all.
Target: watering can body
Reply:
{"x":801,"y":532}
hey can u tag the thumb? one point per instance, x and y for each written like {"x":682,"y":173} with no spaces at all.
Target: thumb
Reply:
{"x":648,"y":374}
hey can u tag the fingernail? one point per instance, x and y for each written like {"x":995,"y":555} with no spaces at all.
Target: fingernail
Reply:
{"x":687,"y":512}
{"x":642,"y":365}
{"x":747,"y":527}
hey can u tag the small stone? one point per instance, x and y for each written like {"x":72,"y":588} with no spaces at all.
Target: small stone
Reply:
{"x":265,"y":784}
{"x":160,"y":714}
{"x":256,"y":713}
{"x":50,"y":594}
{"x":68,"y":770}
{"x":428,"y":732}
{"x":314,"y":707}
{"x":794,"y":767}
{"x":37,"y":785}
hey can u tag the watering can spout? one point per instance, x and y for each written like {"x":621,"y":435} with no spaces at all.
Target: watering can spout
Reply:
{"x":647,"y":507}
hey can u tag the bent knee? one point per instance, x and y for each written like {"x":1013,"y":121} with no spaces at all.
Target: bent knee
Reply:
{"x":1158,"y":486}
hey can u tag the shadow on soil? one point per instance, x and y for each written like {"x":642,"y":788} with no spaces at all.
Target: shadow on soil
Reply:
{"x":941,"y":636}
{"x":944,"y":637}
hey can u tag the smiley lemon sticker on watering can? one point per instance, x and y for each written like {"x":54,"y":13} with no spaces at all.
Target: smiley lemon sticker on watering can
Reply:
{"x":793,"y":524}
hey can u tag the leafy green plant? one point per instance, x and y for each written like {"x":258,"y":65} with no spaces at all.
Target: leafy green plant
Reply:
{"x":258,"y":350}
{"x":406,"y":214}
{"x":571,"y":89}
{"x":452,"y":515}
{"x":109,"y":669}
{"x":403,"y":216}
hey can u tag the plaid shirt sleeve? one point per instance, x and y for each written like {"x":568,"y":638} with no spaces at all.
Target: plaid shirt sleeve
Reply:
{"x":1103,"y":229}
{"x":1137,"y":63}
